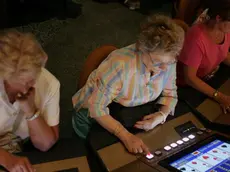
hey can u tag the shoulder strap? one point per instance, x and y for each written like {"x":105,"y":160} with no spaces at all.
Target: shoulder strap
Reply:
{"x":17,"y":121}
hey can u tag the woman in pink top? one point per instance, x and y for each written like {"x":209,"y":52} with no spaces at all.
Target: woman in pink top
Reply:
{"x":206,"y":46}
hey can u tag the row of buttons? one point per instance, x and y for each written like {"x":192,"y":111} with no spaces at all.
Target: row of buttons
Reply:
{"x":178,"y":142}
{"x":172,"y":145}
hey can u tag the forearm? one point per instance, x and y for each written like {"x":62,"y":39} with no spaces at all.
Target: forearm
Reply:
{"x":3,"y":156}
{"x":112,"y":125}
{"x":168,"y":102}
{"x":201,"y":86}
{"x":165,"y":109}
{"x":41,"y":135}
{"x":168,"y":98}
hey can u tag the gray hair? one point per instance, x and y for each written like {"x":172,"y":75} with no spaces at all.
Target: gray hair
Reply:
{"x":160,"y":34}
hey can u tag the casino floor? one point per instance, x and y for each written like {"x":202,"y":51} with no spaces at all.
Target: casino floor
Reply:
{"x":68,"y":42}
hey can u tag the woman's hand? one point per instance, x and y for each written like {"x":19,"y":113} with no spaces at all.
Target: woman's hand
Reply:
{"x":133,"y":143}
{"x":17,"y":164}
{"x":224,"y":101}
{"x":150,"y":121}
{"x":26,"y":102}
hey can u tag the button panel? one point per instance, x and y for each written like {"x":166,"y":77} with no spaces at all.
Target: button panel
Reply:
{"x":176,"y":146}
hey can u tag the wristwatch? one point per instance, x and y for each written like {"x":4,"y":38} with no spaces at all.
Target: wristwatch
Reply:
{"x":33,"y":117}
{"x":215,"y":94}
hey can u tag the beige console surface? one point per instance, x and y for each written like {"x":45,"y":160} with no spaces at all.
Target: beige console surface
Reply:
{"x":81,"y":163}
{"x":212,"y":110}
{"x":116,"y":158}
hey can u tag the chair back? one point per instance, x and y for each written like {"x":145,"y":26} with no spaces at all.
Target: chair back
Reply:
{"x":93,"y":61}
{"x":182,"y":24}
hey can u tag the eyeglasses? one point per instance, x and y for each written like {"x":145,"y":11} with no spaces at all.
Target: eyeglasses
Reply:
{"x":163,"y":63}
{"x":157,"y":63}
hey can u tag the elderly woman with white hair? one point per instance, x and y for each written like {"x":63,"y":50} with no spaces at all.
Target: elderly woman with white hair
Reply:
{"x":29,"y":96}
{"x":132,"y":76}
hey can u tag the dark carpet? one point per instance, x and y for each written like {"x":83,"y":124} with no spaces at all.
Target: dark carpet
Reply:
{"x":68,"y":42}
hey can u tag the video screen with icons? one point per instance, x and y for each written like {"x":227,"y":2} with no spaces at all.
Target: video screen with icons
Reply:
{"x":211,"y":156}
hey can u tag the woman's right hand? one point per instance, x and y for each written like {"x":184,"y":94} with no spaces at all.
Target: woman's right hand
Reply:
{"x":134,"y":144}
{"x":224,"y":101}
{"x":17,"y":164}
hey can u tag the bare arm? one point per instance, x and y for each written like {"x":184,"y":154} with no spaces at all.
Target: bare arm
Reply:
{"x":112,"y":125}
{"x":132,"y":143}
{"x":3,"y":157}
{"x":42,"y":135}
{"x":14,"y":163}
{"x":195,"y":82}
{"x":43,"y":130}
{"x":168,"y":98}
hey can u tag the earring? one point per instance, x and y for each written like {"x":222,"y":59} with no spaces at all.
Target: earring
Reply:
{"x":207,"y":17}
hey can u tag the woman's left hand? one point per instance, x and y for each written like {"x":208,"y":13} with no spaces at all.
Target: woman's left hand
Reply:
{"x":150,"y":121}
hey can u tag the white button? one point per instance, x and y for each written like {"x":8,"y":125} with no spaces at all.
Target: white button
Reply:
{"x":173,"y":145}
{"x":203,"y":129}
{"x":149,"y":156}
{"x":200,"y":133}
{"x":167,"y":148}
{"x":191,"y":136}
{"x":185,"y":139}
{"x":179,"y":142}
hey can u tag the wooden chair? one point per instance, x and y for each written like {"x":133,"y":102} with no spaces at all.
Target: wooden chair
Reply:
{"x":99,"y":54}
{"x":182,"y":24}
{"x":187,"y":10}
{"x":93,"y":61}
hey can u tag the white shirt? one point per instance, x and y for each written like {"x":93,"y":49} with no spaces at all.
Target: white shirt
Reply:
{"x":47,"y":95}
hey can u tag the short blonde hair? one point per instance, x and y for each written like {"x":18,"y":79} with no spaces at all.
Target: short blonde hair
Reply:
{"x":20,"y":53}
{"x":160,"y":34}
